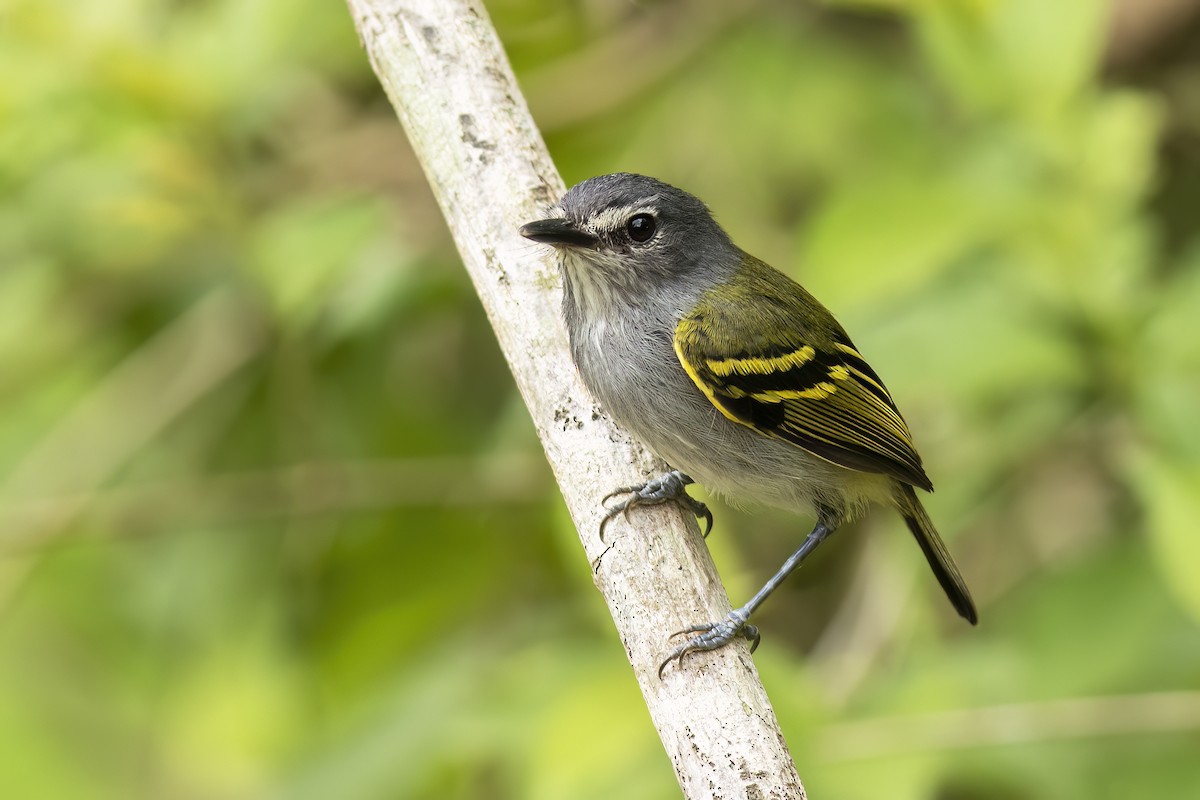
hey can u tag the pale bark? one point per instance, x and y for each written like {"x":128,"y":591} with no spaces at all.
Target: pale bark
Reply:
{"x":446,"y":74}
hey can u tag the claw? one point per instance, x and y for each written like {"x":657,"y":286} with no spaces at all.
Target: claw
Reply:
{"x":751,"y":633}
{"x":612,"y":512}
{"x":622,"y":490}
{"x":670,"y":487}
{"x":713,"y":635}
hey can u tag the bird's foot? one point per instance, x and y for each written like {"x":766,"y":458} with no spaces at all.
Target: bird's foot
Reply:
{"x":714,"y":635}
{"x":666,"y":488}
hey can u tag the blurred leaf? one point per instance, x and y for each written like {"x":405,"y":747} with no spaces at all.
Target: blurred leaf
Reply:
{"x":300,"y":251}
{"x":1022,"y":56}
{"x":1171,"y":493}
{"x":1169,"y":352}
{"x":886,"y":234}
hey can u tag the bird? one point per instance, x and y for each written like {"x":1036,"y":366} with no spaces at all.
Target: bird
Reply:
{"x":733,"y":374}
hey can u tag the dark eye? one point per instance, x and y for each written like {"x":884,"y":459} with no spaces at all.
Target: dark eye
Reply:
{"x":640,"y":227}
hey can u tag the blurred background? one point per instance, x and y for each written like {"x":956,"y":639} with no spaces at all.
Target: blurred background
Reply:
{"x":274,"y":521}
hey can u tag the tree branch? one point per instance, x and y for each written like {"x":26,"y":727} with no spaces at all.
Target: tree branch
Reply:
{"x":445,"y":72}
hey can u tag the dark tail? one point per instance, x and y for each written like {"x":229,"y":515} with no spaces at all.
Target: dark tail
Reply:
{"x":935,"y":551}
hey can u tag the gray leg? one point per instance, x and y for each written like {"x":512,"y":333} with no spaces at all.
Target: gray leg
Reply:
{"x":718,"y":634}
{"x":671,"y":487}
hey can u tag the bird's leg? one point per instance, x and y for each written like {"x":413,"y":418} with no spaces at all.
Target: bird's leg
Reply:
{"x":669,"y":487}
{"x":718,"y":634}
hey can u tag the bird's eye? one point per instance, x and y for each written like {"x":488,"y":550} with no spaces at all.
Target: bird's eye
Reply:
{"x":640,"y":227}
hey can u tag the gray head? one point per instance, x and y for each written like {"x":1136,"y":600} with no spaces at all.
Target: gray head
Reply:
{"x":621,"y":233}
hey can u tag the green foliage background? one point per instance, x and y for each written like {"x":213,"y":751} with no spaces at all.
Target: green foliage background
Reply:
{"x":274,"y":523}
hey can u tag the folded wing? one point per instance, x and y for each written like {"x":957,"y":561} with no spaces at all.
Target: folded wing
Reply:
{"x":786,"y":375}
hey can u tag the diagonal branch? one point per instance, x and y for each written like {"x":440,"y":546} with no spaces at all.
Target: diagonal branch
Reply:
{"x":445,"y":72}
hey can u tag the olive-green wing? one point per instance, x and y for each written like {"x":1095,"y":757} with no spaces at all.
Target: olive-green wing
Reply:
{"x":786,"y":369}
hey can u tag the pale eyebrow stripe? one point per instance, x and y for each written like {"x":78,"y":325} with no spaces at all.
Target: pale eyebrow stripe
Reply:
{"x":612,"y":218}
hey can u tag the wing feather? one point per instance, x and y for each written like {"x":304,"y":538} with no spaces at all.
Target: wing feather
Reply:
{"x":785,"y":375}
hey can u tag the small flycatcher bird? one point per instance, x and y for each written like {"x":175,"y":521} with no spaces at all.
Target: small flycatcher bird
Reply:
{"x":730,"y":372}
